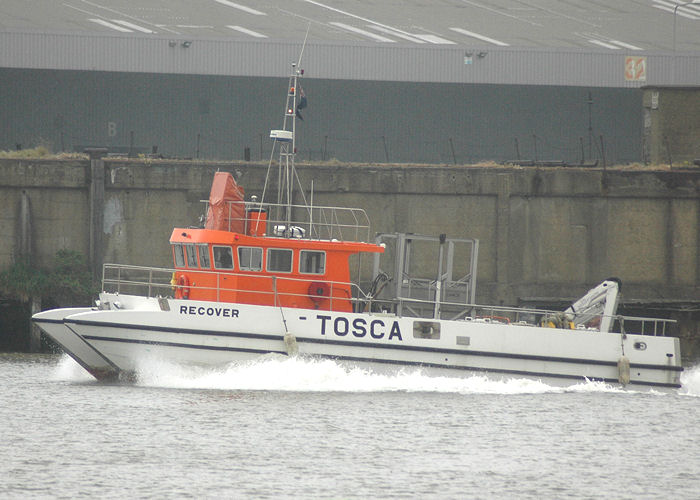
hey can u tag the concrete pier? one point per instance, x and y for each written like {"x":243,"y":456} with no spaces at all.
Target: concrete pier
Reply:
{"x":546,"y":234}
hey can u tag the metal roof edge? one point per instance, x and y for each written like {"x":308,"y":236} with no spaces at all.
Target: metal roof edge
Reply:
{"x":143,"y":53}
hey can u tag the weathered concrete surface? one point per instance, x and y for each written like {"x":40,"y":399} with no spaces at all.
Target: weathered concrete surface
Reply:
{"x":546,"y":234}
{"x":542,"y":231}
{"x":671,"y":124}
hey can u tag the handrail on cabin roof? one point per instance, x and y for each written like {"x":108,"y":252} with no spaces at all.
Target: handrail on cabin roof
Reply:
{"x":317,"y":221}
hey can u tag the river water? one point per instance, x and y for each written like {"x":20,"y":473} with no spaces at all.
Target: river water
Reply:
{"x":290,"y":428}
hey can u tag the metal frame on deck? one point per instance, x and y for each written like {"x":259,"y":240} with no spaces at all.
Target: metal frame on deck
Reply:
{"x":418,"y":291}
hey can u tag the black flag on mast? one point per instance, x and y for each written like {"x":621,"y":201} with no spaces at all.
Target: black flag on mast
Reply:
{"x":302,"y":103}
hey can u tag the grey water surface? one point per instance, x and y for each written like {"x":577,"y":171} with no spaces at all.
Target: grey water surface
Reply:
{"x":284,"y":428}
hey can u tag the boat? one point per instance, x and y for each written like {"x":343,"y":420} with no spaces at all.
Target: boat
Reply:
{"x":286,"y":278}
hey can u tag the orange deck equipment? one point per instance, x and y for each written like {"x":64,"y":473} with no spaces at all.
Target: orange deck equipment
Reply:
{"x":226,"y":210}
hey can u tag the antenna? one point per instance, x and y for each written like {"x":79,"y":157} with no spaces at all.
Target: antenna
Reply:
{"x":303,"y":45}
{"x":285,"y":139}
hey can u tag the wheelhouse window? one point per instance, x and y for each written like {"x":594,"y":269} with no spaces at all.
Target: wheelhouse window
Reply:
{"x":250,"y":258}
{"x":279,"y":260}
{"x":204,"y":256}
{"x":312,"y":262}
{"x":179,"y":254}
{"x":191,"y":255}
{"x":223,"y":257}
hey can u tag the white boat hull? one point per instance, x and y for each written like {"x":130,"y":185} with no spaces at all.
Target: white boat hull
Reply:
{"x":210,"y":333}
{"x":52,"y":322}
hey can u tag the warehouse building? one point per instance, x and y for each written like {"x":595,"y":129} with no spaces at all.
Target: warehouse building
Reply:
{"x":422,"y":82}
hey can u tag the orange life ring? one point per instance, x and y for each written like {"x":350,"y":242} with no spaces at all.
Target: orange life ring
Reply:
{"x":183,"y":288}
{"x":318,"y":291}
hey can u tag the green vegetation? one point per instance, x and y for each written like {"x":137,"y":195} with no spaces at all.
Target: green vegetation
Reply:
{"x":67,"y":282}
{"x":37,"y":152}
{"x":41,"y":152}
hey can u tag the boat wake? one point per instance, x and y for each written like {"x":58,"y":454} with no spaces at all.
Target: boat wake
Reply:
{"x":280,"y":373}
{"x":68,"y":370}
{"x":690,"y":382}
{"x":277,"y":373}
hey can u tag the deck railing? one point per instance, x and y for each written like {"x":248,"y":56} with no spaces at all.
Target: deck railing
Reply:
{"x":156,"y":282}
{"x":521,"y":316}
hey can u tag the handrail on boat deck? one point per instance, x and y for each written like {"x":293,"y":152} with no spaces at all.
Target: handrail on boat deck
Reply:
{"x":154,"y":280}
{"x":529,"y":316}
{"x":130,"y":277}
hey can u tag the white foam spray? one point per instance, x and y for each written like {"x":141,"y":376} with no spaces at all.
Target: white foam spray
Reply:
{"x":690,"y":382}
{"x":68,"y":370}
{"x":279,"y":373}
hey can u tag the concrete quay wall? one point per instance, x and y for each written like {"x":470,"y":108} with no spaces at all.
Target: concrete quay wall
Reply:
{"x":545,"y":233}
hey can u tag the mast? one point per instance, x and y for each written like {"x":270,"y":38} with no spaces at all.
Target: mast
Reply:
{"x":288,"y":149}
{"x":286,"y":139}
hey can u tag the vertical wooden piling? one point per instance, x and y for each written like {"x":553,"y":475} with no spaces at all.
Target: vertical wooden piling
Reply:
{"x":25,"y":253}
{"x":34,"y":330}
{"x":97,"y":201}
